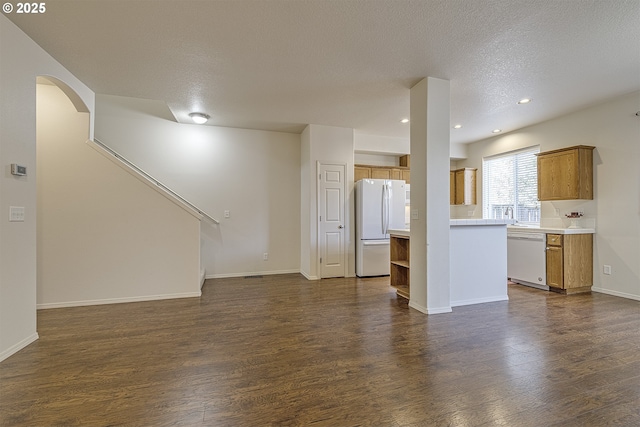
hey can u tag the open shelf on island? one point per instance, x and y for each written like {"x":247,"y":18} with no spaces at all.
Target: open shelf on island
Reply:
{"x":399,"y":270}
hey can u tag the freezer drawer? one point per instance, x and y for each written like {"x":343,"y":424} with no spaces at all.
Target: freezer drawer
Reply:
{"x":372,"y":258}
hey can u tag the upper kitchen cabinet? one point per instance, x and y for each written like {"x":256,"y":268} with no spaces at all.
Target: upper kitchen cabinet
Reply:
{"x":566,"y":174}
{"x":361,"y":172}
{"x":452,"y":187}
{"x":462,"y":186}
{"x":381,"y":172}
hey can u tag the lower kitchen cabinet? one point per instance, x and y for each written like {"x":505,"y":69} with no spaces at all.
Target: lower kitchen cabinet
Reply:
{"x":570,"y":262}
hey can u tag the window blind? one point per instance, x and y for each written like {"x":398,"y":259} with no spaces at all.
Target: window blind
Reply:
{"x":510,"y":186}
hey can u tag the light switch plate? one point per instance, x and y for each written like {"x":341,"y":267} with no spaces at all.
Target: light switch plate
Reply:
{"x":414,"y":214}
{"x":16,"y":213}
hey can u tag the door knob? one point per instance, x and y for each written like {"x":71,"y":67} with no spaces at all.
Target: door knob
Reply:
{"x":341,"y":226}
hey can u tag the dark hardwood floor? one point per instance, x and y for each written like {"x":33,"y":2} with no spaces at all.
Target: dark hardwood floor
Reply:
{"x":284,"y":351}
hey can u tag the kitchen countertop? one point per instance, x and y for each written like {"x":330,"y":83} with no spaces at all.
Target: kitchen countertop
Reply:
{"x":460,"y":222}
{"x":550,"y":230}
{"x":479,"y":221}
{"x":510,"y":228}
{"x":404,"y":232}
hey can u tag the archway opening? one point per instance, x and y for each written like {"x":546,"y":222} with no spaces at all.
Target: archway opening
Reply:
{"x":62,"y":126}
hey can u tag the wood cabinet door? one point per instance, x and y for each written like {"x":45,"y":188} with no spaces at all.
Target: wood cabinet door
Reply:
{"x":558,"y":176}
{"x":555,"y":266}
{"x":360,"y":172}
{"x":452,"y":188}
{"x":577,"y":261}
{"x":396,"y":174}
{"x":406,"y":175}
{"x":459,"y":185}
{"x":380,"y":173}
{"x":465,"y":187}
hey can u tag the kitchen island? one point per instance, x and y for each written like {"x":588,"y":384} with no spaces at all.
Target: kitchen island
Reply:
{"x":477,"y":261}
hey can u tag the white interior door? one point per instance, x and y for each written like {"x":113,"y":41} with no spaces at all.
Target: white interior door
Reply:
{"x":331,"y":216}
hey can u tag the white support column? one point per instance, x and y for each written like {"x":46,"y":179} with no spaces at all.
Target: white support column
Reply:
{"x":430,"y":196}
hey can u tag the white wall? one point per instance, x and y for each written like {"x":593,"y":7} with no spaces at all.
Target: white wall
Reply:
{"x":326,"y":144}
{"x":457,"y":151}
{"x":255,"y":175}
{"x":103,"y":234}
{"x":614,"y":130}
{"x":376,"y":159}
{"x":21,"y":62}
{"x":384,"y":145}
{"x":380,"y":145}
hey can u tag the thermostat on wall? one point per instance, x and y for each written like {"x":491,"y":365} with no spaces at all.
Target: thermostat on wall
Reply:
{"x":18,"y":170}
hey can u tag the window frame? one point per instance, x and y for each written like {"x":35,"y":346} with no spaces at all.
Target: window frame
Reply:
{"x":528,"y":213}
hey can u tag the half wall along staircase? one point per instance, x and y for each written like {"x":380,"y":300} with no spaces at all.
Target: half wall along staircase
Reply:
{"x":108,"y":152}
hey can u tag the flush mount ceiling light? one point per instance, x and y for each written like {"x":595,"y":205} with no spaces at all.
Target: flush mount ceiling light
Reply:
{"x":496,"y":130}
{"x":199,"y":118}
{"x":404,"y":121}
{"x":524,"y":101}
{"x":457,"y":126}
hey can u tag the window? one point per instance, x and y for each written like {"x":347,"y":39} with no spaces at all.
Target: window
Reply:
{"x":510,"y":186}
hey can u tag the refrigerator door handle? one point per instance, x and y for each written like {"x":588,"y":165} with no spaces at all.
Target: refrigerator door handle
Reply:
{"x":375,"y":242}
{"x":385,"y":208}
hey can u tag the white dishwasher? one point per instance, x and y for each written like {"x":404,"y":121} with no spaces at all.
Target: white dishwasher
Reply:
{"x":526,"y":258}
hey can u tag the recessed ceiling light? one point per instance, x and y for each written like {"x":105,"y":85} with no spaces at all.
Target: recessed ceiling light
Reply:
{"x":199,"y":118}
{"x":404,"y":121}
{"x":457,"y":126}
{"x":496,"y":130}
{"x":524,"y":101}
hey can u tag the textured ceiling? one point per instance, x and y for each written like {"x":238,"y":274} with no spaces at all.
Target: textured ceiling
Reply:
{"x":279,"y":65}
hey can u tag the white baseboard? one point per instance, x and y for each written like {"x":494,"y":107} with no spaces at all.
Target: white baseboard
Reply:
{"x":479,"y":301}
{"x":253,"y":273}
{"x":425,"y":310}
{"x":19,"y":346}
{"x":117,"y":300}
{"x":615,"y":293}
{"x":418,"y":307}
{"x":439,"y":310}
{"x":308,"y":277}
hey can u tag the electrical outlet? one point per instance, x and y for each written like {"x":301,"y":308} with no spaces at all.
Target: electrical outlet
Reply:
{"x":606,"y":269}
{"x":227,"y":214}
{"x":265,"y":256}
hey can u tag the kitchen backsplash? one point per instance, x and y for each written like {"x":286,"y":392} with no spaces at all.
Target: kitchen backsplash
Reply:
{"x":553,"y":214}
